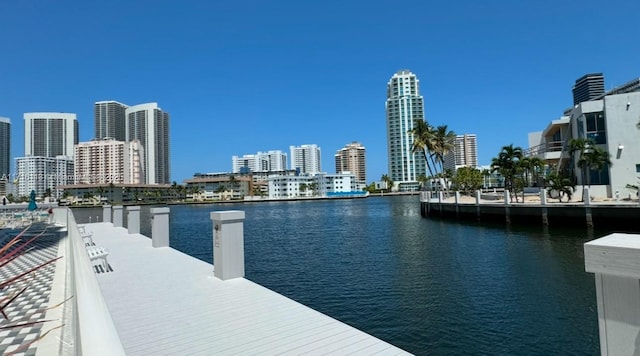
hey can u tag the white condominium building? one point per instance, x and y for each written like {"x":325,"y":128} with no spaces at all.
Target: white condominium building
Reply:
{"x":306,"y":158}
{"x":150,"y":125}
{"x":351,"y":158}
{"x":464,"y":153}
{"x":404,"y":106}
{"x":271,"y":161}
{"x":109,"y":161}
{"x":50,"y":134}
{"x":40,"y":174}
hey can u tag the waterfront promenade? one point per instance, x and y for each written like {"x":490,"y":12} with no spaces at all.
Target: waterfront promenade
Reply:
{"x":159,"y":301}
{"x":532,"y":209}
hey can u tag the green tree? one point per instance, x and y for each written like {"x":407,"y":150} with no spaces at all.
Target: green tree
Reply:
{"x":507,"y":164}
{"x":561,"y":185}
{"x":388,"y":181}
{"x":597,"y":159}
{"x":467,"y":180}
{"x":423,"y":142}
{"x":422,"y":179}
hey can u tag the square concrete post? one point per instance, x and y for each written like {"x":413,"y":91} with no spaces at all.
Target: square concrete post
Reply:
{"x":228,"y":244}
{"x":160,"y":227}
{"x":106,"y":213}
{"x":543,"y":196}
{"x":117,"y":216}
{"x":615,"y":260}
{"x":478,"y":197}
{"x":507,"y":197}
{"x":586,"y":197}
{"x":133,"y":219}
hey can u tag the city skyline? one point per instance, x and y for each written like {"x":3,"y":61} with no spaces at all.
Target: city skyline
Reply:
{"x":253,"y":76}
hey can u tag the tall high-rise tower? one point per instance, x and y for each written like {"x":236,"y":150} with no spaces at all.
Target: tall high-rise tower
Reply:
{"x":588,"y":87}
{"x":149,"y":124}
{"x":404,"y":106}
{"x":50,"y":134}
{"x":5,"y":148}
{"x":109,"y":120}
{"x":351,"y":158}
{"x":306,"y":158}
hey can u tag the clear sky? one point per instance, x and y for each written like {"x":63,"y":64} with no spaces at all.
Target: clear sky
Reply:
{"x":238,"y":77}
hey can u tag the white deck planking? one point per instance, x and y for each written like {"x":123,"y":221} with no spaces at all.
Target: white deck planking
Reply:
{"x":164,"y":302}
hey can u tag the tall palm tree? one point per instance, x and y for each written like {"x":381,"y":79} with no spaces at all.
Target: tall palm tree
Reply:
{"x":581,"y":146}
{"x":444,"y":142}
{"x":507,"y":164}
{"x":423,"y":139}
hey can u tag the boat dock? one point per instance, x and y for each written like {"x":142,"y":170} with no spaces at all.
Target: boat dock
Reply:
{"x":134,"y":295}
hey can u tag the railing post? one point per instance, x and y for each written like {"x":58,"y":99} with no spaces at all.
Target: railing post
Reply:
{"x":228,"y":244}
{"x":106,"y":213}
{"x":478,"y":197}
{"x":507,"y":210}
{"x":543,"y":203}
{"x":133,"y":219}
{"x":615,"y":260}
{"x":160,"y":227}
{"x":117,"y":216}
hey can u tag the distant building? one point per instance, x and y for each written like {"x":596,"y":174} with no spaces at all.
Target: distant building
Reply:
{"x":40,"y":174}
{"x":404,"y":105}
{"x":5,"y":150}
{"x":306,"y":159}
{"x":150,"y":125}
{"x":318,"y":185}
{"x":464,"y":153}
{"x":351,"y":158}
{"x":271,"y":161}
{"x":50,"y":134}
{"x":109,"y":161}
{"x":109,"y":120}
{"x":588,"y":87}
{"x":611,"y":122}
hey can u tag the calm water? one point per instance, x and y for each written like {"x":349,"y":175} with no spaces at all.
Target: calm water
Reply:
{"x":428,"y":286}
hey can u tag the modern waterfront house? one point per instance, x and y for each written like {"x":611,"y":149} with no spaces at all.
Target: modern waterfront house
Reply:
{"x":611,"y":121}
{"x":404,"y":105}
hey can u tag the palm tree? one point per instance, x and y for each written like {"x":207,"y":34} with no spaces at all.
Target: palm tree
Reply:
{"x":444,"y":142}
{"x":596,"y":159}
{"x":560,"y":184}
{"x":388,"y":181}
{"x":423,"y":139}
{"x":580,"y":146}
{"x":507,"y":164}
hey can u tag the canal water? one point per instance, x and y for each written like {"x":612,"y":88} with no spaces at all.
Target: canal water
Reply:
{"x":436,"y":287}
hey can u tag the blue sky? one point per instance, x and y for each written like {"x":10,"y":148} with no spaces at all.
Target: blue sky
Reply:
{"x":239,"y":77}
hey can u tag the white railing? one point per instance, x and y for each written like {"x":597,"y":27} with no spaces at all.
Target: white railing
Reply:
{"x":95,"y":333}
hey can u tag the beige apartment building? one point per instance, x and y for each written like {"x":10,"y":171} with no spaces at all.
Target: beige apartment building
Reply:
{"x":109,"y":161}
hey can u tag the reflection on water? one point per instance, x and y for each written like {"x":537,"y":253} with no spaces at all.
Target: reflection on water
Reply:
{"x":428,"y":286}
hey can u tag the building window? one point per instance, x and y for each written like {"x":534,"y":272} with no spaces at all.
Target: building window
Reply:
{"x":637,"y":168}
{"x":595,"y":127}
